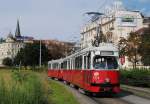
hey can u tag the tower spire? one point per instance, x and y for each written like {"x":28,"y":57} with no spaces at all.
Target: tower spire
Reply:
{"x":17,"y":33}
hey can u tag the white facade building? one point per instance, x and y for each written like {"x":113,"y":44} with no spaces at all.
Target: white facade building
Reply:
{"x":9,"y":48}
{"x":113,"y":27}
{"x":115,"y":23}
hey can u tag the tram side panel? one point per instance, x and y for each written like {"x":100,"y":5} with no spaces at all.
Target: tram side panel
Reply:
{"x":49,"y":73}
{"x":69,"y":74}
{"x":87,"y":80}
{"x":60,"y":74}
{"x":77,"y":78}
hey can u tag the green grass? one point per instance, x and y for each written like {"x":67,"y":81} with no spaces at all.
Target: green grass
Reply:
{"x":60,"y":95}
{"x":22,"y":88}
{"x":28,"y":87}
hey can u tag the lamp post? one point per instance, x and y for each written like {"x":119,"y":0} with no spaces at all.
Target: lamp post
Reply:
{"x":40,"y":55}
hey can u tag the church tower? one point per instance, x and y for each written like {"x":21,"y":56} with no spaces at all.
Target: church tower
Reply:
{"x":17,"y":33}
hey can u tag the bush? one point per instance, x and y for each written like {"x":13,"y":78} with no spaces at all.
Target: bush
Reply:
{"x":136,"y":77}
{"x":7,"y":61}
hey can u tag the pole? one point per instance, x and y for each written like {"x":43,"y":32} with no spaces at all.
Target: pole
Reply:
{"x":40,"y":55}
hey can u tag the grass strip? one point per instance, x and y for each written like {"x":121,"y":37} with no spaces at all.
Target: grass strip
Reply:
{"x":60,"y":95}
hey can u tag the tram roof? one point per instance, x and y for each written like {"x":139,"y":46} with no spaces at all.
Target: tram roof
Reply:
{"x":102,"y":47}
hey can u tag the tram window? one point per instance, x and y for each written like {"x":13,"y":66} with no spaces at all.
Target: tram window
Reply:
{"x":55,"y":65}
{"x":68,"y":64}
{"x":85,"y":62}
{"x":61,"y":65}
{"x":49,"y":66}
{"x":105,"y":62}
{"x":78,"y":62}
{"x":65,"y":65}
{"x":73,"y":63}
{"x":88,"y":62}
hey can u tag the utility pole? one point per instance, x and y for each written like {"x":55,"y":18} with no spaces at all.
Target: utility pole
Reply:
{"x":40,"y":55}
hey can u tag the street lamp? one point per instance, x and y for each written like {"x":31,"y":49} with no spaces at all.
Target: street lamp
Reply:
{"x":40,"y":55}
{"x":99,"y":37}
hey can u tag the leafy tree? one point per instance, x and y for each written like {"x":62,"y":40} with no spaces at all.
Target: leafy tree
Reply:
{"x":145,"y":47}
{"x":29,"y":55}
{"x":7,"y":61}
{"x":130,"y":47}
{"x":122,"y":46}
{"x":2,"y":40}
{"x":57,"y":51}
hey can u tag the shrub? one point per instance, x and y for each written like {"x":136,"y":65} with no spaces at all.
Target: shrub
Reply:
{"x":7,"y":61}
{"x":136,"y":77}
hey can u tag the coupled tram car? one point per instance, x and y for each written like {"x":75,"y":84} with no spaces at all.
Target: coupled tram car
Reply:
{"x":94,"y":69}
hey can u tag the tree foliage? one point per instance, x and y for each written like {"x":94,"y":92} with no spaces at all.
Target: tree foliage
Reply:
{"x":2,"y":40}
{"x":29,"y":55}
{"x":57,"y":51}
{"x":7,"y":61}
{"x":130,"y":47}
{"x":145,"y":47}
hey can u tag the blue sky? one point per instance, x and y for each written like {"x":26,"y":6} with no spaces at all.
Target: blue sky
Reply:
{"x":53,"y":19}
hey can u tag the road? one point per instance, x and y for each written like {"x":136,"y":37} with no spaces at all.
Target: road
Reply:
{"x":122,"y":98}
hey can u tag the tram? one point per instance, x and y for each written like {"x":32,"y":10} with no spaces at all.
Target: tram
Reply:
{"x":93,"y":69}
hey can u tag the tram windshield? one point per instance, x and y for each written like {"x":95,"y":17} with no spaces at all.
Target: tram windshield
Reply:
{"x":105,"y":62}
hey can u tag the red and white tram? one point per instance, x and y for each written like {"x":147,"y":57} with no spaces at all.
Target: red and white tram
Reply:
{"x":94,"y":69}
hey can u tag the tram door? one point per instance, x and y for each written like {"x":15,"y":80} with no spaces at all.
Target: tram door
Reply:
{"x":87,"y":72}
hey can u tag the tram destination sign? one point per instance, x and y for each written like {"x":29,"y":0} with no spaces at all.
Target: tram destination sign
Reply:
{"x":107,"y":53}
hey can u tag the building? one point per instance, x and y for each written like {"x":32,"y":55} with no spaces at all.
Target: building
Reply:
{"x":9,"y":48}
{"x":12,"y":44}
{"x":116,"y":22}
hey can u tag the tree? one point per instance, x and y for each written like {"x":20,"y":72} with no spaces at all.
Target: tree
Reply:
{"x":2,"y":40}
{"x":7,"y":61}
{"x":145,"y":47}
{"x":29,"y":55}
{"x":122,"y":47}
{"x":130,"y":47}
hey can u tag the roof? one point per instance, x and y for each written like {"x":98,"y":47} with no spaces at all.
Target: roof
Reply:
{"x":102,"y":47}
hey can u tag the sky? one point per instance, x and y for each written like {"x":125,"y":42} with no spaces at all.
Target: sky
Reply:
{"x":54,"y":19}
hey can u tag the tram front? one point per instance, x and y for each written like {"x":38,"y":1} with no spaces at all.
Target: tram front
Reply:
{"x":105,"y":73}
